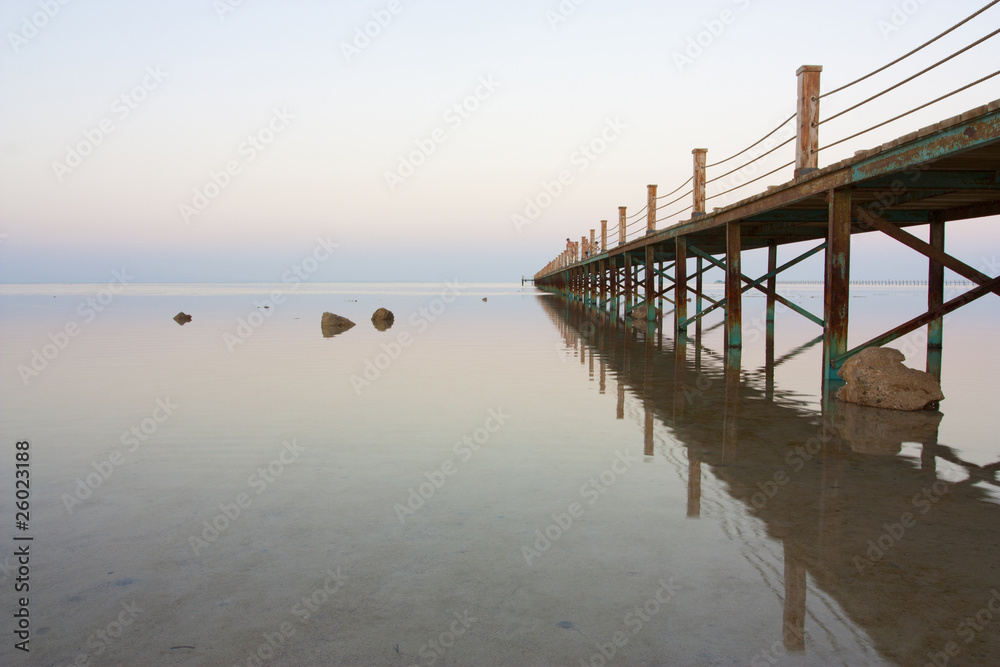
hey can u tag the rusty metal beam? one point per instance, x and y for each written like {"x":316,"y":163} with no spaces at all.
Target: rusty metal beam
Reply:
{"x":680,"y":286}
{"x":980,"y":210}
{"x":919,"y":321}
{"x":924,"y":248}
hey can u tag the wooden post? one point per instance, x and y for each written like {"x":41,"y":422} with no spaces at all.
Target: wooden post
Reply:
{"x":680,"y":286}
{"x":593,"y":248}
{"x":734,"y":287}
{"x":651,"y":212}
{"x":621,"y":225}
{"x":772,"y":264}
{"x":602,"y":284}
{"x":838,"y":276}
{"x":699,"y":182}
{"x":604,"y":235}
{"x":650,"y":287}
{"x":628,"y":284}
{"x":935,"y":299}
{"x":807,"y":120}
{"x":697,"y":301}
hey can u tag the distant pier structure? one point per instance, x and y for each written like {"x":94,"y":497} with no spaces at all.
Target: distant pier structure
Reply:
{"x":938,"y":174}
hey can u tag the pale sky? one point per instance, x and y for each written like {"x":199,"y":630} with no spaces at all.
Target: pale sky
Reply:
{"x":215,"y":140}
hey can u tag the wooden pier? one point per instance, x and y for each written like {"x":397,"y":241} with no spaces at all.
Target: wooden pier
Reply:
{"x":938,"y":174}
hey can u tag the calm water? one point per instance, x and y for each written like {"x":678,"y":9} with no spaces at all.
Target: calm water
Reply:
{"x":509,"y":482}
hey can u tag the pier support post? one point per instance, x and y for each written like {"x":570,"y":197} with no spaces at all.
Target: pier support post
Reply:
{"x":698,"y":180}
{"x":772,"y":266}
{"x":651,"y":212}
{"x":697,"y":299}
{"x":734,"y":287}
{"x":935,"y":299}
{"x":836,"y":293}
{"x":602,"y":286}
{"x":680,"y":287}
{"x":650,"y":288}
{"x":628,"y":284}
{"x":621,"y":225}
{"x":807,"y":120}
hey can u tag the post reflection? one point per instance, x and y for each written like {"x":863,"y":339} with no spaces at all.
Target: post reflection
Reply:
{"x":905,"y":553}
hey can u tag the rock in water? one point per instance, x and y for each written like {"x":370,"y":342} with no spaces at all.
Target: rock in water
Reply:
{"x":182,"y":318}
{"x":334,"y":324}
{"x":640,"y":315}
{"x":876,"y":377}
{"x":383,"y":319}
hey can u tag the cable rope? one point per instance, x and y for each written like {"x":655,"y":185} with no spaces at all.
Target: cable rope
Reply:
{"x":907,"y":55}
{"x":751,"y":181}
{"x":911,"y":78}
{"x":689,"y":192}
{"x":783,"y":123}
{"x":907,"y":113}
{"x":687,"y":181}
{"x":731,"y":171}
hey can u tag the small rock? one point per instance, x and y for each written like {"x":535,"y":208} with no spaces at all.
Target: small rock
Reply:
{"x":484,"y":298}
{"x":182,"y":318}
{"x":877,"y":378}
{"x":334,"y":324}
{"x":640,"y":315}
{"x":383,"y":319}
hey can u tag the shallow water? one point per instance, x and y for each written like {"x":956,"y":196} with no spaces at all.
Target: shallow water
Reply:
{"x":515,"y":481}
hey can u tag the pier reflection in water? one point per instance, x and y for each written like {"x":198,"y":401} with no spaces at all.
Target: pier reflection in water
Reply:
{"x":907,"y":545}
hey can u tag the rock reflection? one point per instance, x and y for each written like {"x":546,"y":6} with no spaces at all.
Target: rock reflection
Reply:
{"x":908,"y":556}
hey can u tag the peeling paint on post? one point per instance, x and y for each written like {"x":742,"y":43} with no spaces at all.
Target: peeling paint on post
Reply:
{"x":838,"y":275}
{"x":734,"y":287}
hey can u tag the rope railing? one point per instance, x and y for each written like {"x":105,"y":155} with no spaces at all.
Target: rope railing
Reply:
{"x":911,"y":78}
{"x":747,"y":164}
{"x":762,"y":139}
{"x":907,"y":55}
{"x":669,"y":203}
{"x":907,"y":113}
{"x":805,"y":162}
{"x":737,"y":187}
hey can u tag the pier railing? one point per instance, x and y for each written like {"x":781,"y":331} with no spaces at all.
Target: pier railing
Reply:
{"x":661,"y":209}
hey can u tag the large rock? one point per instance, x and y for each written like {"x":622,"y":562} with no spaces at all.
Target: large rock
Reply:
{"x":640,"y":316}
{"x":876,"y":377}
{"x":334,"y":324}
{"x":182,"y":318}
{"x":383,"y":319}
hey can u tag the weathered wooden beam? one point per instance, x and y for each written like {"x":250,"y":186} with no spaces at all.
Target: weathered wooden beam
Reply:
{"x":680,"y":286}
{"x":807,"y":120}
